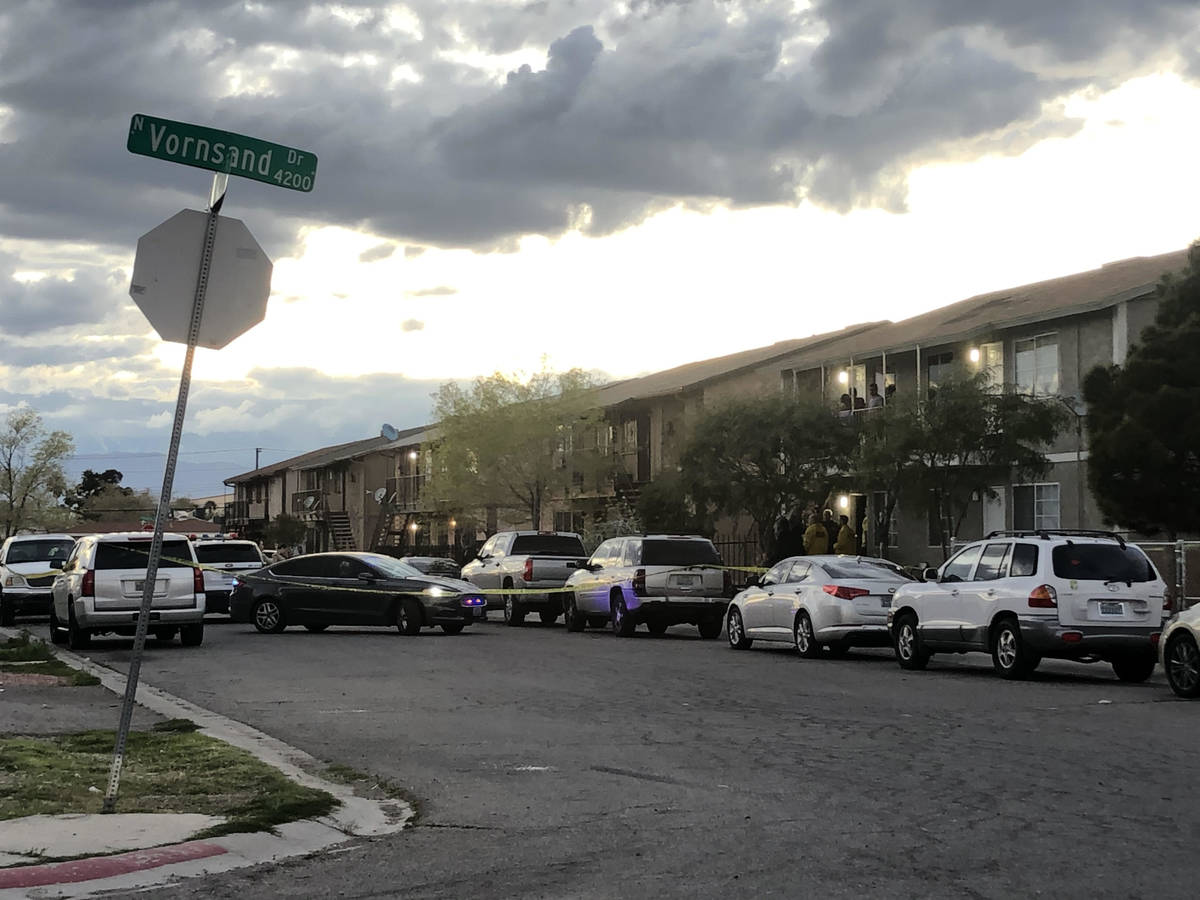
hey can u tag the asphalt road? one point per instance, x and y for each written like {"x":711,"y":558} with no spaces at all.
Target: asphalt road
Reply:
{"x":559,"y":765}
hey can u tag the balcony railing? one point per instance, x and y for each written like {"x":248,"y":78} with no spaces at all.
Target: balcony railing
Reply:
{"x":407,"y":492}
{"x":308,"y":504}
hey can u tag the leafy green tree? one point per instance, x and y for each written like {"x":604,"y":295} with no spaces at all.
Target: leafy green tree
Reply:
{"x":512,"y":444}
{"x":115,"y":503}
{"x":285,"y":531}
{"x":90,"y":484}
{"x":764,"y":456}
{"x":1144,"y":418}
{"x":31,"y":473}
{"x":952,"y":446}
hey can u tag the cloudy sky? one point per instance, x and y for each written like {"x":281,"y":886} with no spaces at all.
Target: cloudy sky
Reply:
{"x":618,"y":186}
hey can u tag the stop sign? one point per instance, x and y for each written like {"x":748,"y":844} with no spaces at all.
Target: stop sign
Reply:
{"x":165,"y":272}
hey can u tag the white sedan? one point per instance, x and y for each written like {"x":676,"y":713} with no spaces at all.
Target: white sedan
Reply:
{"x":1180,"y":648}
{"x":821,"y":604}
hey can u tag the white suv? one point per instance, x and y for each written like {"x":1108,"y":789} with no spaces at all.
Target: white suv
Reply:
{"x":100,"y":590}
{"x":28,"y":565}
{"x":1022,"y":596}
{"x":221,"y":560}
{"x":658,"y":579}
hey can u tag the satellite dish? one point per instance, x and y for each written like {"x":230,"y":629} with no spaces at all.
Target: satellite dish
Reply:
{"x":309,"y":501}
{"x":388,"y":432}
{"x":380,"y":494}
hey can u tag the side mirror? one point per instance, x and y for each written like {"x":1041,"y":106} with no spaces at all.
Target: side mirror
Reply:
{"x":593,"y":567}
{"x":753,"y":581}
{"x":929,"y":575}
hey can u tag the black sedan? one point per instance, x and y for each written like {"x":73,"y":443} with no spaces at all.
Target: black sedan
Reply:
{"x":323,"y":589}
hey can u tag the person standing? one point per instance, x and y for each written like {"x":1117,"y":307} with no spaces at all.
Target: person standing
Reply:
{"x":815,"y":537}
{"x":831,"y":530}
{"x":874,"y":401}
{"x":845,"y":543}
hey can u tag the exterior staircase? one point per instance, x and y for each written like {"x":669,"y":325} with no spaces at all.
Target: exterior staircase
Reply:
{"x":340,"y":530}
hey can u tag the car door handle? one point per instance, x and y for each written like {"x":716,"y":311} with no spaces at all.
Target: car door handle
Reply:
{"x":954,"y":593}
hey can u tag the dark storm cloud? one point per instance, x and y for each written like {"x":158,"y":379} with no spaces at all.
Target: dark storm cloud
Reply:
{"x":32,"y":306}
{"x":635,"y":108}
{"x":127,"y":352}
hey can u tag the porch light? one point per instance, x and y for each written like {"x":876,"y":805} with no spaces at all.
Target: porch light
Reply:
{"x":453,"y":524}
{"x":973,"y":354}
{"x":843,"y":502}
{"x":413,"y":526}
{"x":844,"y":377}
{"x":412,"y":454}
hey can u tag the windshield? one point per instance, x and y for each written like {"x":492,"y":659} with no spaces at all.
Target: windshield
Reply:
{"x":433,"y":566}
{"x":228,"y":553}
{"x":547,"y":545}
{"x":878,"y":571}
{"x":387,"y":565}
{"x":52,"y":551}
{"x":1102,"y":562}
{"x":136,"y":554}
{"x":679,"y":553}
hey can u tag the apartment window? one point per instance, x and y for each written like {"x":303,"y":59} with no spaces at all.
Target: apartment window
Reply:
{"x":893,"y":538}
{"x":1037,"y":364}
{"x":991,"y":362}
{"x":1035,"y":506}
{"x":569,"y":521}
{"x":939,"y":368}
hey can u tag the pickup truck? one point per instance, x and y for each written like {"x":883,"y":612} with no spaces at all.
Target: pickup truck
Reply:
{"x":536,"y":561}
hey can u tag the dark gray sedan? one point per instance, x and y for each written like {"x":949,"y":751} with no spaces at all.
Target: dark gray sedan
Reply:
{"x":323,"y":589}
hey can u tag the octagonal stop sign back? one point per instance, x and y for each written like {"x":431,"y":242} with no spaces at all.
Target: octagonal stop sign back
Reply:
{"x":168,"y":263}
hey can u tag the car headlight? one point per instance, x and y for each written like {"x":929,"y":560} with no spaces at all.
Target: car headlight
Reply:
{"x":14,"y":580}
{"x":435,"y":591}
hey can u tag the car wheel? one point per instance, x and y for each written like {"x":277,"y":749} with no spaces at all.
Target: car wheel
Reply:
{"x":1181,"y":659}
{"x":1135,"y":669}
{"x":910,"y":652}
{"x":597,"y":622}
{"x":735,"y":631}
{"x":710,"y":629}
{"x":572,"y":617}
{"x":267,"y":616}
{"x":192,"y":635}
{"x":408,"y":616}
{"x":56,"y":630}
{"x":165,"y":634}
{"x":803,"y":637}
{"x":8,"y":615}
{"x":77,"y":638}
{"x":315,"y":629}
{"x":514,"y":615}
{"x":548,"y":616}
{"x":452,"y":627}
{"x":1010,"y":657}
{"x":622,"y":623}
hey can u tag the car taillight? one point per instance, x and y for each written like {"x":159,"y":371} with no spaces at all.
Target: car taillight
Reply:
{"x":843,"y":592}
{"x":88,"y":587}
{"x":198,"y":581}
{"x":639,"y":582}
{"x":1043,"y":597}
{"x":527,"y":574}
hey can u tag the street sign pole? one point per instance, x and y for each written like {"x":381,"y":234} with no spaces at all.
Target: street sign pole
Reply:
{"x":217,"y":197}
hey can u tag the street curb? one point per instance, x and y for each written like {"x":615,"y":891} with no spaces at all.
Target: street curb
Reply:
{"x":355,"y":817}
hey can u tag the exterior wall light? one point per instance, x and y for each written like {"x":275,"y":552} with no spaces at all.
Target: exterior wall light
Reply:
{"x":412,"y":454}
{"x":413,"y":527}
{"x":973,"y":354}
{"x":843,"y":502}
{"x":844,"y":377}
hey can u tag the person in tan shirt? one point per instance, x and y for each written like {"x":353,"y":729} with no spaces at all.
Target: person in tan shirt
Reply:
{"x":816,"y":538}
{"x":845,"y":542}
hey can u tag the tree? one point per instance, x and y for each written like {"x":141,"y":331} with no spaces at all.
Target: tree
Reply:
{"x":92,"y":483}
{"x":31,"y":474}
{"x":1144,"y":418}
{"x":953,"y":446}
{"x":513,"y":444}
{"x":285,"y":531}
{"x":667,"y":504}
{"x":765,"y":456}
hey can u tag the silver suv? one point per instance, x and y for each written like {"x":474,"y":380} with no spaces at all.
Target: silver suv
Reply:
{"x":1022,"y":596}
{"x":656,"y":579}
{"x":28,"y":566}
{"x":100,"y":590}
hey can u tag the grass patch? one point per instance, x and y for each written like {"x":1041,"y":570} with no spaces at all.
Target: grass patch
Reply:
{"x":53,"y":667}
{"x":22,"y":649}
{"x":165,"y":771}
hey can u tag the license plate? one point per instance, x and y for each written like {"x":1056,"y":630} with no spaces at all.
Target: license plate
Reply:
{"x":885,"y":602}
{"x":139,"y":586}
{"x":685,"y":580}
{"x":1112,"y":608}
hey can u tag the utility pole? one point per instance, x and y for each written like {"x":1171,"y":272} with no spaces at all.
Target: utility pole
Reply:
{"x":257,"y":453}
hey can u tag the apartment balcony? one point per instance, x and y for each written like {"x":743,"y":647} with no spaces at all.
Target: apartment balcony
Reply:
{"x":308,"y":506}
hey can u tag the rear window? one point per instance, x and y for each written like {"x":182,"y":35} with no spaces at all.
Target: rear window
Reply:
{"x":547,"y":545}
{"x":136,"y":554}
{"x":679,"y":553}
{"x":227,"y":553}
{"x":39,"y":551}
{"x":863,"y":569}
{"x":1101,"y":562}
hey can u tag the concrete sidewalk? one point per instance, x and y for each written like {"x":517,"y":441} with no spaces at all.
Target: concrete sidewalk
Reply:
{"x":109,"y":852}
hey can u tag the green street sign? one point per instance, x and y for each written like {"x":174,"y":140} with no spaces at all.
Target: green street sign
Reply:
{"x":222,"y":151}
